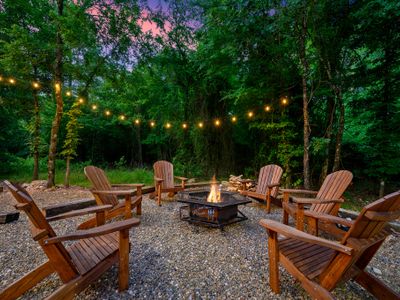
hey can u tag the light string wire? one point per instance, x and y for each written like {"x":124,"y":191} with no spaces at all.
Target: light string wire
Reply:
{"x":217,"y":122}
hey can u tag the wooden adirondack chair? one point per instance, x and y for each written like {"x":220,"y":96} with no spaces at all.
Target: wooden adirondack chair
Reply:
{"x":93,"y":253}
{"x":327,"y":200}
{"x":104,"y":193}
{"x":321,"y":264}
{"x":267,"y":186}
{"x":164,"y":180}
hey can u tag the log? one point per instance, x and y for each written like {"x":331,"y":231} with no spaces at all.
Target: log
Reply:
{"x":9,"y":217}
{"x":53,"y":210}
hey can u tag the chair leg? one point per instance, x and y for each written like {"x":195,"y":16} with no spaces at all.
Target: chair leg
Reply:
{"x":376,"y":287}
{"x":268,"y":204}
{"x":139,"y":208}
{"x":313,"y":226}
{"x":78,"y":284}
{"x":123,"y":260}
{"x":159,"y":195}
{"x":285,"y":219}
{"x":273,"y":254}
{"x":26,"y":282}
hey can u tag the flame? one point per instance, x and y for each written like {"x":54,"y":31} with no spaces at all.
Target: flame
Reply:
{"x":215,"y":193}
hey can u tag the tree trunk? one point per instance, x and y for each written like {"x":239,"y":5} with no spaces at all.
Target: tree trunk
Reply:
{"x":382,"y":189}
{"x":330,"y":113}
{"x":306,"y":126}
{"x":139,"y":147}
{"x":36,"y":134}
{"x":59,"y":109}
{"x":67,"y":172}
{"x":339,"y":136}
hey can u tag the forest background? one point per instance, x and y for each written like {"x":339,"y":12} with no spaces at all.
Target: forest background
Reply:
{"x":312,"y":86}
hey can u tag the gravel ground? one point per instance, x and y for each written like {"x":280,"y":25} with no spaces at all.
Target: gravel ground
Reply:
{"x":171,"y":259}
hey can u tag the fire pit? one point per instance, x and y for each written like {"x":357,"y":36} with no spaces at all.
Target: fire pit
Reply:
{"x":219,"y":213}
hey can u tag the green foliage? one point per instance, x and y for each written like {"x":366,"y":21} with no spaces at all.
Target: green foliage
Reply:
{"x":71,"y":140}
{"x":211,"y":59}
{"x":18,"y":172}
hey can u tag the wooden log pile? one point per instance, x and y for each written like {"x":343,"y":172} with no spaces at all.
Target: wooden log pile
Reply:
{"x":235,"y":183}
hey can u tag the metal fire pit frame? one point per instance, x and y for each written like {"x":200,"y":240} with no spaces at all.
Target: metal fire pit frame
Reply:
{"x":211,"y":214}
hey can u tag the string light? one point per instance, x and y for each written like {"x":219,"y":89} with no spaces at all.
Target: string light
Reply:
{"x":284,"y":101}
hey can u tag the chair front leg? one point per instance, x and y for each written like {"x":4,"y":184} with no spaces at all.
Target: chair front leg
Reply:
{"x":139,"y":196}
{"x":300,"y":216}
{"x":312,"y":226}
{"x":128,"y":207}
{"x":100,"y":218}
{"x":268,"y":199}
{"x":123,"y":260}
{"x":158,"y":191}
{"x":273,"y":254}
{"x":285,"y":201}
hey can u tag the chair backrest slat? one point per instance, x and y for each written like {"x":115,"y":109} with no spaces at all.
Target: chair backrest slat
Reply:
{"x":268,"y":175}
{"x":165,"y":170}
{"x":99,"y":181}
{"x":333,"y":187}
{"x":364,"y":227}
{"x":371,"y":231}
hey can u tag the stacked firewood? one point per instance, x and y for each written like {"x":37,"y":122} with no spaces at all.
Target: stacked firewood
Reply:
{"x":236,"y":183}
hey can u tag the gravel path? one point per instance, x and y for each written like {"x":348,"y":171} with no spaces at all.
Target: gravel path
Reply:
{"x":171,"y":259}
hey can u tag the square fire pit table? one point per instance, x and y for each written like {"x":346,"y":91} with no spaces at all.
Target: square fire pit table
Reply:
{"x":213,"y":214}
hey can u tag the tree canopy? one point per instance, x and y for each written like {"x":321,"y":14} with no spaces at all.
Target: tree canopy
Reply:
{"x":309,"y":85}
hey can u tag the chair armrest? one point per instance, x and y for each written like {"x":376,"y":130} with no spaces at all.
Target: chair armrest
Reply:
{"x":158,"y":179}
{"x":96,"y":231}
{"x":181,"y":178}
{"x":128,"y":185}
{"x":80,"y":212}
{"x":302,"y":236}
{"x":328,"y":218}
{"x":115,"y":192}
{"x":315,"y":200}
{"x":295,"y":191}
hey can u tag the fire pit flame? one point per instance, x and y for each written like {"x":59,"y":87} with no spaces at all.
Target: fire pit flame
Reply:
{"x":215,"y":192}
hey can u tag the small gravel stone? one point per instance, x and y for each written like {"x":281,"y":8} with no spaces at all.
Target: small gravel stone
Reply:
{"x":171,"y":259}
